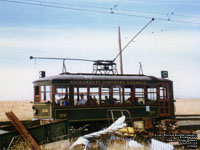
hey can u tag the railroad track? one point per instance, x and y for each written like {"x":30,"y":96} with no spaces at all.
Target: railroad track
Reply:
{"x":188,"y":121}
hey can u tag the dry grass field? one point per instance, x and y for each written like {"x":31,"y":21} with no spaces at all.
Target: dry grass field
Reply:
{"x":22,"y":109}
{"x":187,"y":106}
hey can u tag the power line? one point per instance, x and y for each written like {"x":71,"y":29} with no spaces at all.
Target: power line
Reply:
{"x":114,"y":8}
{"x":180,"y":15}
{"x":158,"y":13}
{"x":98,"y":11}
{"x":68,"y":4}
{"x":166,"y":1}
{"x":157,"y":18}
{"x":51,"y":6}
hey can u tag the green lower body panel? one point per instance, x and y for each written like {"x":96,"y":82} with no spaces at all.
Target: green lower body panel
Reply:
{"x":42,"y":111}
{"x":101,"y":113}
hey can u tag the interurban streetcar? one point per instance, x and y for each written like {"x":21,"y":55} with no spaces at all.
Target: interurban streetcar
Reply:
{"x":100,"y":98}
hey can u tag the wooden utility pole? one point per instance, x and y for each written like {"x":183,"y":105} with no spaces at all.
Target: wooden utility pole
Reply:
{"x":120,"y":51}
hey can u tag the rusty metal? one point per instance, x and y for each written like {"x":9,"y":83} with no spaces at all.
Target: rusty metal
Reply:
{"x":22,"y":130}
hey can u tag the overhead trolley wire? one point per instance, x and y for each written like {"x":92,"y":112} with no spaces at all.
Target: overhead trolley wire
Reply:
{"x":107,"y":8}
{"x":52,"y":6}
{"x":67,"y":4}
{"x":157,"y":18}
{"x":166,"y":1}
{"x":158,"y":13}
{"x":97,"y":11}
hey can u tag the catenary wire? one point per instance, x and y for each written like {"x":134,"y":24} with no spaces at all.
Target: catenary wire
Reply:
{"x":166,"y":1}
{"x":114,"y":8}
{"x":98,"y":11}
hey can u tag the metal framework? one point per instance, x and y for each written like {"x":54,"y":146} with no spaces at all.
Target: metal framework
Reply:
{"x":104,"y":67}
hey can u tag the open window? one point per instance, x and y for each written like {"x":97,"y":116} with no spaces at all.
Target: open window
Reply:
{"x":117,"y":94}
{"x":61,"y":95}
{"x":94,"y":96}
{"x":80,"y":93}
{"x":140,"y":96}
{"x":106,"y":95}
{"x":129,"y":95}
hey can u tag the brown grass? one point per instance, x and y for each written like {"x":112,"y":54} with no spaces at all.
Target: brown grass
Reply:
{"x":22,"y":109}
{"x":187,"y":106}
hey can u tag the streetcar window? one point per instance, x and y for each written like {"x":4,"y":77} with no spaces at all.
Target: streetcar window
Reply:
{"x":37,"y":94}
{"x":164,"y":92}
{"x":76,"y":95}
{"x":117,"y":94}
{"x":45,"y":93}
{"x":61,"y":95}
{"x":83,"y":90}
{"x":37,"y":90}
{"x":129,"y":95}
{"x":61,"y":90}
{"x":152,"y":95}
{"x":140,"y":96}
{"x":94,"y":93}
{"x":127,"y":92}
{"x":105,"y":95}
{"x":78,"y":91}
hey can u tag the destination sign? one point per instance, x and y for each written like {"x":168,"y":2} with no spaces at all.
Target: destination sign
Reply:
{"x":108,"y":82}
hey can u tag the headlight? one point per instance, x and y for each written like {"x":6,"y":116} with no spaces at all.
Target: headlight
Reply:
{"x":35,"y":111}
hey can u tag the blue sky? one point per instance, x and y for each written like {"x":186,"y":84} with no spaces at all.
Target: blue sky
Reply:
{"x":170,"y":43}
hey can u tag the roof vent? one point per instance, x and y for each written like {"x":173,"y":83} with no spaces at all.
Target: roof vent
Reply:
{"x":164,"y":74}
{"x":42,"y":74}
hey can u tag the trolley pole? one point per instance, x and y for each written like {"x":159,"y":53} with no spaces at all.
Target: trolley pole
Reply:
{"x":120,"y":50}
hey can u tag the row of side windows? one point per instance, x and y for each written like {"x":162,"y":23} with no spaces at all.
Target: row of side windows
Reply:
{"x":100,"y":95}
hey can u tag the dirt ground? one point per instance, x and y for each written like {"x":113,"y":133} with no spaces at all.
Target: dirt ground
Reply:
{"x":23,"y":109}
